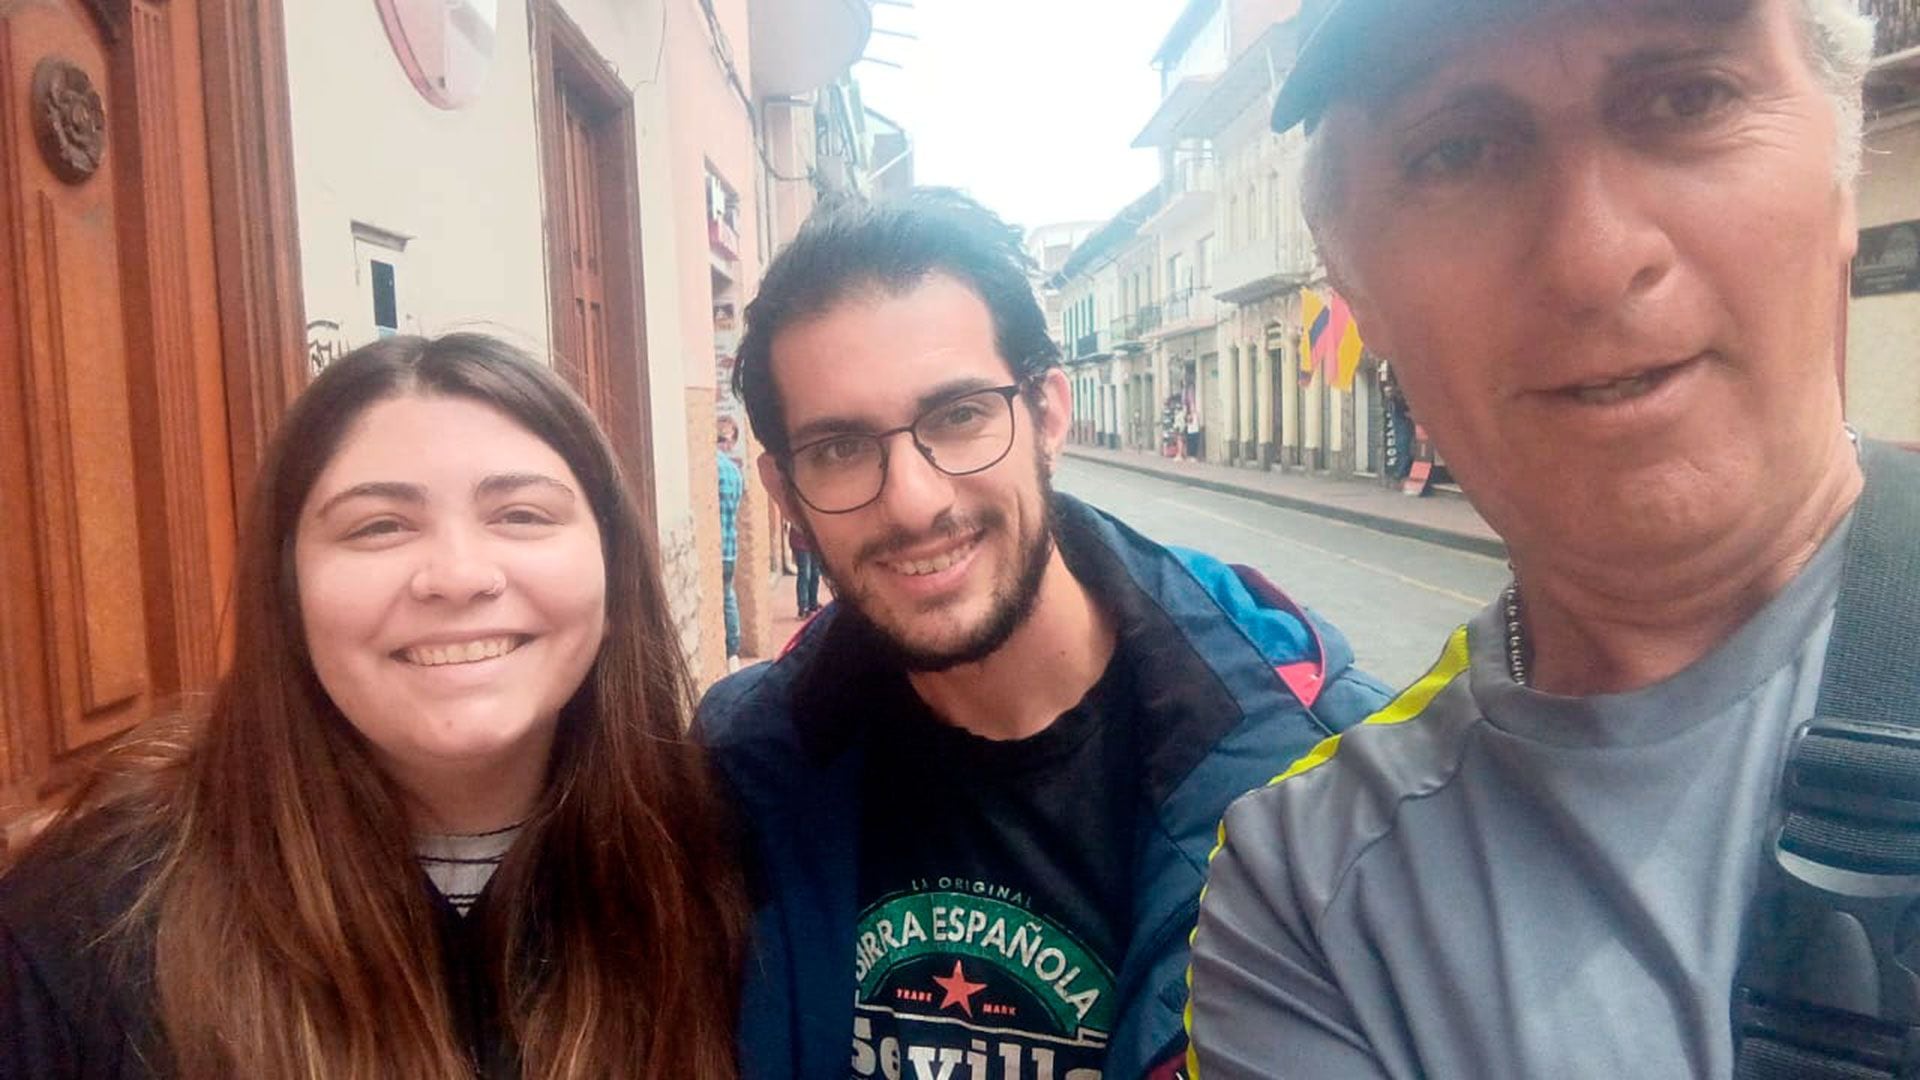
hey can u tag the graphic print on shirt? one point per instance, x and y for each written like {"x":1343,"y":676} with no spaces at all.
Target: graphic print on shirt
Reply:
{"x":959,"y":980}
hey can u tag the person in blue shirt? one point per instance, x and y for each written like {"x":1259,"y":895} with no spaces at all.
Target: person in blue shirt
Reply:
{"x":980,"y":788}
{"x":733,"y":485}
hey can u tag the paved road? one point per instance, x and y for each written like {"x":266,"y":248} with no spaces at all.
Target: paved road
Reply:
{"x":1396,"y":599}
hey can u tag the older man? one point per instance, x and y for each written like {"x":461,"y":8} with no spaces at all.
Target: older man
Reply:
{"x":1605,"y":246}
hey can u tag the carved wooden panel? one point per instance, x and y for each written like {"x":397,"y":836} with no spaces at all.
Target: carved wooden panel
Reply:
{"x":84,"y":444}
{"x":177,"y":393}
{"x":114,"y":449}
{"x":77,"y":421}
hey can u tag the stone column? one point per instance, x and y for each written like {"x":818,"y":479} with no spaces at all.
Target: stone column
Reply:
{"x":1249,"y":409}
{"x":1263,"y":399}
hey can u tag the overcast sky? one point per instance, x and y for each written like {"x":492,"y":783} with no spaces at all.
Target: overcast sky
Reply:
{"x":1028,"y":104}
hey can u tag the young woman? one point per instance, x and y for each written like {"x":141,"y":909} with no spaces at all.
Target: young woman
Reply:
{"x":441,"y":819}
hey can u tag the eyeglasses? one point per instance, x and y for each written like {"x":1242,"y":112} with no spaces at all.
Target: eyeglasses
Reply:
{"x":839,"y":474}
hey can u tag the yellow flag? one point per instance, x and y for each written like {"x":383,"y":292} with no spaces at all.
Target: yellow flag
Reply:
{"x":1351,"y":348}
{"x":1312,"y":310}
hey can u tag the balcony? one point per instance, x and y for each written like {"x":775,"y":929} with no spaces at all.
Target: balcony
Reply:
{"x":1184,"y":312}
{"x":1089,"y":346}
{"x":723,"y":239}
{"x":1894,"y":81}
{"x":1145,"y":321}
{"x":1270,"y":265}
{"x":1191,"y":201}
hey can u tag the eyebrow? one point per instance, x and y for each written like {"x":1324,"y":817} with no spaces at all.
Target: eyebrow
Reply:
{"x":1654,"y":58}
{"x":507,"y":483}
{"x":375,"y":489}
{"x":840,"y":425}
{"x":492,"y":486}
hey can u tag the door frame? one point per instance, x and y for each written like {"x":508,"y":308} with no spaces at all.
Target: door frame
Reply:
{"x":256,"y":226}
{"x":563,"y":54}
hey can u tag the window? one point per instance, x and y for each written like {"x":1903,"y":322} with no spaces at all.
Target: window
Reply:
{"x":386,"y":307}
{"x":1203,"y":261}
{"x":380,"y":260}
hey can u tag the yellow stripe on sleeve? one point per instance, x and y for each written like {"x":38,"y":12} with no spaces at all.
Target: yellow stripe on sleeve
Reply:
{"x":1411,"y":703}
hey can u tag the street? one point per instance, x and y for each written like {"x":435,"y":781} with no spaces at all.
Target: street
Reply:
{"x":1395,"y":598}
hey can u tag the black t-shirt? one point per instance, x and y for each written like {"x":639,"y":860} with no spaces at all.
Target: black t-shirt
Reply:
{"x":995,"y":890}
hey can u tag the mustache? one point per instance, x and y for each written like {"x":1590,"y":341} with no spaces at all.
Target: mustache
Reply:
{"x":948,"y":526}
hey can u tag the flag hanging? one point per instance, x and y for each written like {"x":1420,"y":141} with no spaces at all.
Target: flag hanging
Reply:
{"x":1316,"y":318}
{"x":1348,"y":349}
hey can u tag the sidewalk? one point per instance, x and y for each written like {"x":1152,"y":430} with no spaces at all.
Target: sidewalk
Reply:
{"x":784,"y":623}
{"x":1447,"y":520}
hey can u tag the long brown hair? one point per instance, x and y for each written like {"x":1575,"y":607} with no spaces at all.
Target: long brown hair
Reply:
{"x":293,"y":937}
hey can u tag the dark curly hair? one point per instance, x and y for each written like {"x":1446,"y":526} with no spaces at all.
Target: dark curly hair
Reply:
{"x":854,"y":244}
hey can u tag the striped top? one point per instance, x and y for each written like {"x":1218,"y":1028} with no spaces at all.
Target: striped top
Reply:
{"x":461,"y":864}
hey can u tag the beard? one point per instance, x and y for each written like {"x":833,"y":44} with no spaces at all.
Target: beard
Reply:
{"x":1009,"y":607}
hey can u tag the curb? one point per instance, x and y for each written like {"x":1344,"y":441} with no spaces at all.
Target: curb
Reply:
{"x":1492,"y":547}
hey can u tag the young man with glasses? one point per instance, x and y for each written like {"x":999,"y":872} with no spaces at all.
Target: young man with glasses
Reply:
{"x":980,"y":789}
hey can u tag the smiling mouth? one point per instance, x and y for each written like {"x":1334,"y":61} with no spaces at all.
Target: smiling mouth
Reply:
{"x":467,"y":652}
{"x":1612,"y":391}
{"x":923,"y":567}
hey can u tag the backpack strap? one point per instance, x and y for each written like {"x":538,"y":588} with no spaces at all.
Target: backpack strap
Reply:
{"x":1827,"y":986}
{"x":1873,"y":660}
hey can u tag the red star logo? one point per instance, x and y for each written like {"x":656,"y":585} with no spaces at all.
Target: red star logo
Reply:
{"x":959,"y":991}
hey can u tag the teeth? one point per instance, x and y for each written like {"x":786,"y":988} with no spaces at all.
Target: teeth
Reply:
{"x":470,"y":652}
{"x":921,"y":567}
{"x":1617,"y":390}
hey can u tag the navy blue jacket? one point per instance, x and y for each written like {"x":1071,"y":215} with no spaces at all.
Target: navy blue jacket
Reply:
{"x":1234,"y":684}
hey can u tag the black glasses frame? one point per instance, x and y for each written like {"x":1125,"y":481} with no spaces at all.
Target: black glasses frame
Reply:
{"x":884,"y":439}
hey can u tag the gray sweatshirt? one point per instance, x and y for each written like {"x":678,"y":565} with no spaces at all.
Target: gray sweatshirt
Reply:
{"x":1484,"y":881}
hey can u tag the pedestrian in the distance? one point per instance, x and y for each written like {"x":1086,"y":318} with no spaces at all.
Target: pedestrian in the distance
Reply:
{"x":807,"y":572}
{"x":733,"y":486}
{"x":440,"y":819}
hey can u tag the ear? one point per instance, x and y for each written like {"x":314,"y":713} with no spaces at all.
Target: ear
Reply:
{"x":1055,"y":415}
{"x":775,"y":482}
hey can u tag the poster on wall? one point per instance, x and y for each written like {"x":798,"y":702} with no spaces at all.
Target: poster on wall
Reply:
{"x":1888,"y":261}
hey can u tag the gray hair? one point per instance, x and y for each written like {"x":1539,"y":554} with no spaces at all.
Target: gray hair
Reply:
{"x":1839,"y":47}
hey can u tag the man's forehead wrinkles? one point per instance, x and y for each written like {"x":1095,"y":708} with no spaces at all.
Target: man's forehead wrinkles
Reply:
{"x":1692,"y":29}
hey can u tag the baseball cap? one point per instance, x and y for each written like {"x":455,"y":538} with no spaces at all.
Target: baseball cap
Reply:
{"x":1346,"y":40}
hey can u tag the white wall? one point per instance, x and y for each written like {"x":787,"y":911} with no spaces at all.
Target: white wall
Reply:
{"x":463,"y":184}
{"x":1883,"y":332}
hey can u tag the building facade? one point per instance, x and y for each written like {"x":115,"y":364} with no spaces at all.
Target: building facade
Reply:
{"x":1223,"y":265}
{"x":235,"y":192}
{"x":1103,"y":294}
{"x":1235,"y":273}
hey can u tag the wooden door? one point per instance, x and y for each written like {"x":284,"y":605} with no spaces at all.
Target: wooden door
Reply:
{"x":115,"y":459}
{"x":592,"y":195}
{"x":584,"y":337}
